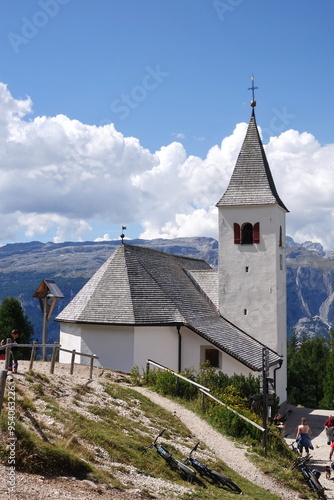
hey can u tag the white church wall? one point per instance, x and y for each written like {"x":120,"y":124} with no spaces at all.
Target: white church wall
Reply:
{"x":252,"y":278}
{"x":252,"y":284}
{"x":158,"y":343}
{"x":232,"y":366}
{"x":70,"y":338}
{"x":193,"y":347}
{"x":113,"y":345}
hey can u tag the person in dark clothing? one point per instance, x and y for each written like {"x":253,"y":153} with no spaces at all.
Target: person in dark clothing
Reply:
{"x":13,"y":361}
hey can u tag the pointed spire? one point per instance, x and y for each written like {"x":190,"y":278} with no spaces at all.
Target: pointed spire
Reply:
{"x":251,"y":182}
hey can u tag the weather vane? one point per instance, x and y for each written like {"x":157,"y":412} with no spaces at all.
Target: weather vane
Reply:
{"x":123,"y":235}
{"x":252,"y":88}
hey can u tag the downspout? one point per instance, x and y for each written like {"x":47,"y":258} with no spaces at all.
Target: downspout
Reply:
{"x":275,"y":370}
{"x":180,"y":348}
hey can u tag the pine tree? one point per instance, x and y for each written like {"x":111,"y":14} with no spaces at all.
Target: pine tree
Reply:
{"x":328,"y":380}
{"x":306,"y":368}
{"x":13,"y":316}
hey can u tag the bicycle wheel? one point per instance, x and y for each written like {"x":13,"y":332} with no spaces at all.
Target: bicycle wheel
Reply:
{"x":314,"y":485}
{"x":225,"y":481}
{"x":317,"y":488}
{"x":183,"y":469}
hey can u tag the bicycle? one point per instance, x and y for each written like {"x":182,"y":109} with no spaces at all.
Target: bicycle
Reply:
{"x":311,"y":476}
{"x":185,"y":471}
{"x":216,"y":477}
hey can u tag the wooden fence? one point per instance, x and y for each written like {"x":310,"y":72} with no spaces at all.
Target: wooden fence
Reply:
{"x":55,"y":349}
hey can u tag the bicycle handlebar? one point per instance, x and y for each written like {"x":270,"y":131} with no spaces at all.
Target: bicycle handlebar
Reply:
{"x":159,"y":435}
{"x":194,"y":449}
{"x":154,"y":442}
{"x":148,"y":448}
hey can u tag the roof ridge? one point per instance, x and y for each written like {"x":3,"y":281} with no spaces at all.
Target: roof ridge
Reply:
{"x":176,"y":256}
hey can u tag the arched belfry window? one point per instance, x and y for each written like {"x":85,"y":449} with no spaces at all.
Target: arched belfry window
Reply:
{"x":247,"y":234}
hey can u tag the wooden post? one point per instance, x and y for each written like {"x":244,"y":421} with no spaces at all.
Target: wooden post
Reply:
{"x":7,"y":354}
{"x":91,"y":367}
{"x":202,"y":400}
{"x":32,"y":357}
{"x":72,"y":361}
{"x":147,"y":371}
{"x":53,"y":359}
{"x":3,"y":378}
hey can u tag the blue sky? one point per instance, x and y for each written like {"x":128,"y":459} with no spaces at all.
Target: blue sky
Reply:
{"x":131,"y":113}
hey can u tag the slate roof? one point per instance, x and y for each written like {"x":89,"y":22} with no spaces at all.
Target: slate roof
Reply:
{"x":251,"y":182}
{"x":142,"y":286}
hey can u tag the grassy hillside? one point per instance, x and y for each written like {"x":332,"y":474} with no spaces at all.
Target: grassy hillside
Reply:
{"x":68,"y":425}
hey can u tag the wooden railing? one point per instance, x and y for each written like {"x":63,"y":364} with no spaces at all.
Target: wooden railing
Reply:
{"x":204,"y":390}
{"x":55,"y":349}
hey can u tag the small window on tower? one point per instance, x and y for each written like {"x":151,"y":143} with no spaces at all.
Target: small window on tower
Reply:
{"x":245,"y":312}
{"x":280,"y":236}
{"x":247,"y":269}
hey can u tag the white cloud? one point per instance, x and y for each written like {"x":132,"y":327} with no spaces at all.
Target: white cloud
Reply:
{"x":303,"y":172}
{"x":179,"y":135}
{"x":61,"y":177}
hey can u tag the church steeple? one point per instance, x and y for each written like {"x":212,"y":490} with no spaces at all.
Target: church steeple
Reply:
{"x":251,"y":182}
{"x":251,"y":258}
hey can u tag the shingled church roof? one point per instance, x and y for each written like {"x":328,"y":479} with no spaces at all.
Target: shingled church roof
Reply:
{"x":251,"y":182}
{"x":142,"y":286}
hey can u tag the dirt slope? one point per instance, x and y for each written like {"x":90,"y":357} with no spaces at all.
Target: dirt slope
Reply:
{"x":36,"y":487}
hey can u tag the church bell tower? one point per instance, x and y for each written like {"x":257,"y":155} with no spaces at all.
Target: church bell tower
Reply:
{"x":252,"y":268}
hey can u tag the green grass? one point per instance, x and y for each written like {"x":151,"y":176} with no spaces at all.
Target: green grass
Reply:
{"x":120,"y":425}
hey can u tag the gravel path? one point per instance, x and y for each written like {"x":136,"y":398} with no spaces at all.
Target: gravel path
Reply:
{"x":320,"y":454}
{"x":224,"y":449}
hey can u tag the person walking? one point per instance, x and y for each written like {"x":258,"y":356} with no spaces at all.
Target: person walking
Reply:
{"x":303,"y":438}
{"x":329,"y":427}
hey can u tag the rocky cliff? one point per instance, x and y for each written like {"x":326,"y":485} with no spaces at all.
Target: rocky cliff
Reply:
{"x":23,"y":266}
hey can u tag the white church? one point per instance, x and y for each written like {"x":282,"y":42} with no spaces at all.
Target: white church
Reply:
{"x":178,"y":311}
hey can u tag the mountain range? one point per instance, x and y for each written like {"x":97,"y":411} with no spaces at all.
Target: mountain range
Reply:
{"x":24,"y":266}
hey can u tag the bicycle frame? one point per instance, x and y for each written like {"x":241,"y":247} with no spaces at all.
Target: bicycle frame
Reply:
{"x":185,"y":471}
{"x":310,"y":476}
{"x":205,"y":471}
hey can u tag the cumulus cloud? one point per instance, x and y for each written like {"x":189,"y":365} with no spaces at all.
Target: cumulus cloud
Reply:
{"x":62,"y":177}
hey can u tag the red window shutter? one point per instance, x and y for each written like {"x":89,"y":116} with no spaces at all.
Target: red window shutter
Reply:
{"x":256,"y":237}
{"x":236,"y":233}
